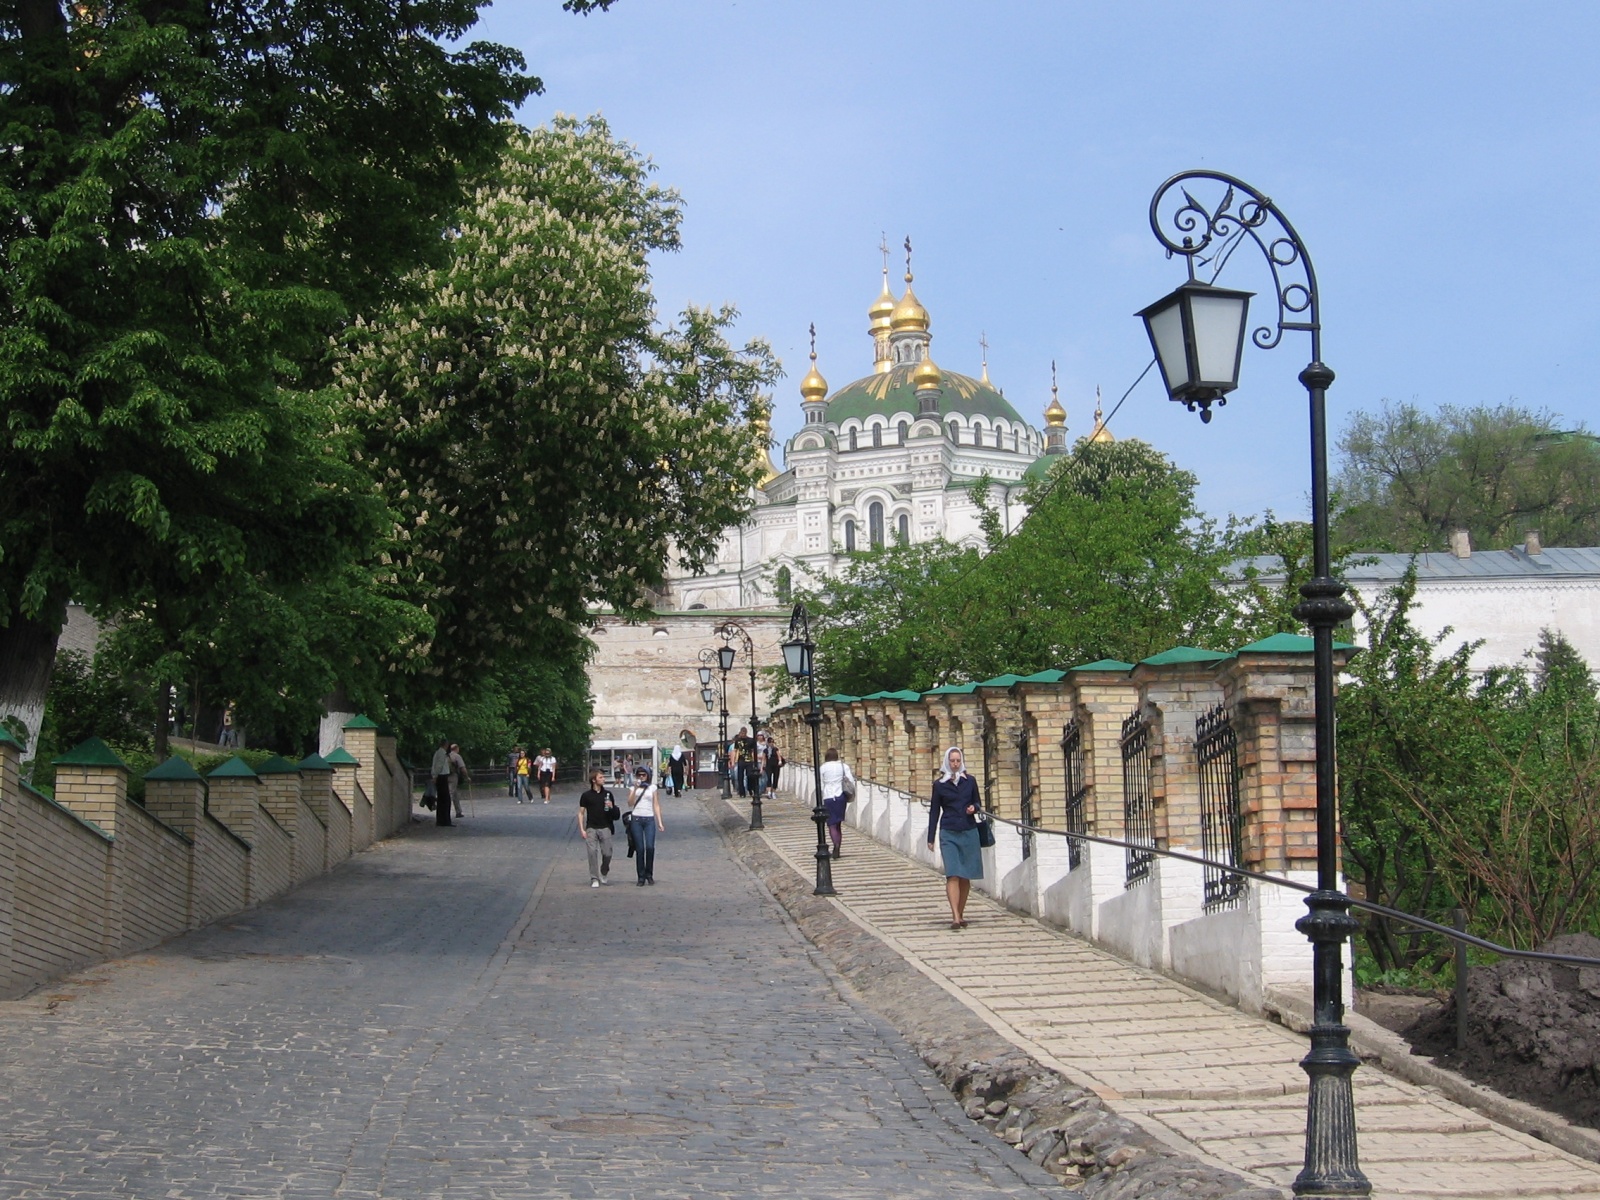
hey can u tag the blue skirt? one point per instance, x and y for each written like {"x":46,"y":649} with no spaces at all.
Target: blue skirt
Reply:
{"x":835,"y":806}
{"x":963,"y":857}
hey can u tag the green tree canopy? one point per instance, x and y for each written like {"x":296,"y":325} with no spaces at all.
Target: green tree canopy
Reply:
{"x":192,"y":197}
{"x":544,"y":443}
{"x":1408,"y":478}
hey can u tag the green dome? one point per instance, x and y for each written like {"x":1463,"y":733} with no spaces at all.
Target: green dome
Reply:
{"x":1040,"y":467}
{"x":892,"y":392}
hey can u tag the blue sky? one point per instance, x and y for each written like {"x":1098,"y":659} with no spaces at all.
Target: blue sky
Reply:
{"x":1440,"y":160}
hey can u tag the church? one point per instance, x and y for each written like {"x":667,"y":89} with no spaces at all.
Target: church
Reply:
{"x":892,"y":455}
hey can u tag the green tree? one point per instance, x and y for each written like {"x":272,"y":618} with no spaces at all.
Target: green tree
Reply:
{"x":1408,"y":478}
{"x":192,"y":197}
{"x":543,"y":442}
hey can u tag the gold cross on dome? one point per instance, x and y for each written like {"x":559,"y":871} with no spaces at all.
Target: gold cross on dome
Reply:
{"x":813,"y":341}
{"x":908,"y":258}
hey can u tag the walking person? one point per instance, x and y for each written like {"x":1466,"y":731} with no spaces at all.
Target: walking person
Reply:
{"x":597,"y":817}
{"x":675,"y":766}
{"x":745,"y":750}
{"x":644,"y":802}
{"x":511,"y":770}
{"x":838,"y":789}
{"x":524,"y":790}
{"x":460,"y":777}
{"x":771,"y":763}
{"x":440,"y":770}
{"x":545,"y":765}
{"x":953,"y":816}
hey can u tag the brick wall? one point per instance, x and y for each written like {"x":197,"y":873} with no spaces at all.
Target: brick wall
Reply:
{"x":60,"y":915}
{"x":152,"y":878}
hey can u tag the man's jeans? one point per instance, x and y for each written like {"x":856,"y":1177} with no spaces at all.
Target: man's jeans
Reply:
{"x":598,"y":844}
{"x":644,"y":845}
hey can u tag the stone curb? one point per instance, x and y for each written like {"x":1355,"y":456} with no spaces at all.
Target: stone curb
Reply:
{"x":1063,"y":1128}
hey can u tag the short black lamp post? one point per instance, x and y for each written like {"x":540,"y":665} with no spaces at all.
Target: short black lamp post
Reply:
{"x":799,"y":657}
{"x":707,"y":657}
{"x":1198,"y":336}
{"x":730,"y":630}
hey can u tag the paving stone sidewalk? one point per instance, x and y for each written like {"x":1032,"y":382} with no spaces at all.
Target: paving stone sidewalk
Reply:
{"x":456,"y":1013}
{"x":1205,"y":1077}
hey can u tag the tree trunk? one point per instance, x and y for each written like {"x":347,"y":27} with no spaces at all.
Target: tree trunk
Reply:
{"x":27,"y":653}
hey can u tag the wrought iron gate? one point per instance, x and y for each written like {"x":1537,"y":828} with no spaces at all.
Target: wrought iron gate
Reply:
{"x":1216,"y":750}
{"x":1137,"y":819}
{"x":1077,"y":790}
{"x":1025,"y":772}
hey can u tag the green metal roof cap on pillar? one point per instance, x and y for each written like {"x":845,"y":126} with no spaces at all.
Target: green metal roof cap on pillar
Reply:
{"x":360,"y":721}
{"x":234,"y":768}
{"x":951,"y":689}
{"x":91,"y":752}
{"x":1004,"y":681}
{"x":315,"y":762}
{"x":903,"y":694}
{"x":278,"y":765}
{"x":1051,"y":676}
{"x":341,"y":758}
{"x":836,"y":698}
{"x":1287,"y":643}
{"x":174,"y":768}
{"x":7,"y":740}
{"x":1104,"y":664}
{"x":1179,"y":655}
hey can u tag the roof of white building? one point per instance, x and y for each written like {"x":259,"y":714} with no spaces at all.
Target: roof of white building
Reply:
{"x":1554,"y":562}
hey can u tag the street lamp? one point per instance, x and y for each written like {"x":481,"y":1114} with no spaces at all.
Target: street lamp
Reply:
{"x":728,"y":631}
{"x":799,"y":658}
{"x":1198,"y":334}
{"x":707,"y":657}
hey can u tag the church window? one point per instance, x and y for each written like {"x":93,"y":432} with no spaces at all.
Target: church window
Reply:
{"x":875,"y":524}
{"x":853,"y":443}
{"x":877,"y":436}
{"x":783,"y":585}
{"x":955,"y":433}
{"x":903,"y":527}
{"x":849,"y":537}
{"x":905,"y":432}
{"x":1014,"y":439}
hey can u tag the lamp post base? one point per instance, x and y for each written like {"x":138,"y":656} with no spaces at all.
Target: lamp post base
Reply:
{"x":755,"y":814}
{"x":824,"y":859}
{"x":727,"y":788}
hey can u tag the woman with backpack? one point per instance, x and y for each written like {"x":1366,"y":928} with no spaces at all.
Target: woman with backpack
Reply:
{"x":644,"y":804}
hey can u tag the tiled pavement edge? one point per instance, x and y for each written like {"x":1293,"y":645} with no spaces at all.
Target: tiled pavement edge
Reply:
{"x":1196,"y":1074}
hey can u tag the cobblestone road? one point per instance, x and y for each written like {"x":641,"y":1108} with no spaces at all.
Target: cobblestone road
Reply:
{"x":457,"y":1014}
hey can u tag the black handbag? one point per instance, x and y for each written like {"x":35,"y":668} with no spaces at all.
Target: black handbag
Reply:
{"x":985,"y":829}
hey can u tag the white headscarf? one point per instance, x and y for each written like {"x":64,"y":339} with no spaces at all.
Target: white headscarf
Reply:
{"x":677,"y":753}
{"x":948,"y":774}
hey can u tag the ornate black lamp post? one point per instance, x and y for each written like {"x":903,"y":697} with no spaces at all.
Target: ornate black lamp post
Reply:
{"x":799,"y":657}
{"x":1198,"y":336}
{"x":707,"y":657}
{"x":728,"y":631}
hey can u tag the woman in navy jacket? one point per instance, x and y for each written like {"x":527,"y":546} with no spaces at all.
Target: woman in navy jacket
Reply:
{"x":952,"y":815}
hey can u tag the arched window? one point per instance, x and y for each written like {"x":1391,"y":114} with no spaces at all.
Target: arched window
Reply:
{"x":903,"y":526}
{"x":783,"y":585}
{"x":1014,"y":445}
{"x":955,"y":433}
{"x":875,"y":524}
{"x":877,"y":436}
{"x":849,"y":537}
{"x":852,"y":439}
{"x":905,"y":432}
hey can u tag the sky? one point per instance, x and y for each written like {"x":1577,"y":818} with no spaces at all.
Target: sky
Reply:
{"x":1439,"y":161}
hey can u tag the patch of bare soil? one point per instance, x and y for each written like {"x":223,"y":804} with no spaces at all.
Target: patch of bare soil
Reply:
{"x":1398,"y":1009}
{"x":1533,"y":1031}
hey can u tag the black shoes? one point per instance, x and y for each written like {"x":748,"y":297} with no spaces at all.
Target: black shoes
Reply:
{"x":641,"y":883}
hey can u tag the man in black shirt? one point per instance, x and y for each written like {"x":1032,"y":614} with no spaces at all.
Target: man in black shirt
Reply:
{"x":745,"y":752}
{"x":597,"y":816}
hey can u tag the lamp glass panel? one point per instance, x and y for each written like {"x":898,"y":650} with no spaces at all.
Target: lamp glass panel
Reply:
{"x":794,"y":658}
{"x":707,"y":695}
{"x":1218,"y":328}
{"x":1166,"y":335}
{"x":705,"y":676}
{"x":710,"y":704}
{"x":725,"y":656}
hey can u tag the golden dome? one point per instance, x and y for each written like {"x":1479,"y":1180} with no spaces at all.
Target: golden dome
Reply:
{"x":882,"y":310}
{"x":1055,"y":416}
{"x":909,"y":313}
{"x":1100,"y":433}
{"x":813,"y":387}
{"x":927,"y":374}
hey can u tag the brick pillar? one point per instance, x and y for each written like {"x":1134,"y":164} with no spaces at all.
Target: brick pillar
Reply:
{"x":387,"y":758}
{"x":919,"y":750}
{"x":280,"y":791}
{"x":1269,"y":687}
{"x":236,"y":797}
{"x":175,"y":794}
{"x":1176,"y":686}
{"x":361,"y":740}
{"x":1046,"y":709}
{"x":10,"y":797}
{"x":316,"y":789}
{"x":93,"y":782}
{"x":1003,"y":712}
{"x":345,"y":783}
{"x":1106,"y":697}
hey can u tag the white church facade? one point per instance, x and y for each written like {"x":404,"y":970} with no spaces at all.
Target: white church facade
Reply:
{"x":893,"y":455}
